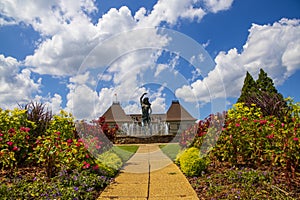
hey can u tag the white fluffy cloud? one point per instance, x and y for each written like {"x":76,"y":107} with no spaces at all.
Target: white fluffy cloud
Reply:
{"x":273,"y":47}
{"x":68,"y":37}
{"x":218,"y":5}
{"x":16,"y":85}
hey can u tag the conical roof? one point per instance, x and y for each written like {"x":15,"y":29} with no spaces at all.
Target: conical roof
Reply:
{"x":177,"y":112}
{"x":116,"y":114}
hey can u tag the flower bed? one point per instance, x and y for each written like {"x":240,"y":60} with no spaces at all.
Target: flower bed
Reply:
{"x":63,"y":161}
{"x":246,"y":142}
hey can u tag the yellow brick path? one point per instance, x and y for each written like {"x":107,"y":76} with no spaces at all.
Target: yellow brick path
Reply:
{"x":149,"y":174}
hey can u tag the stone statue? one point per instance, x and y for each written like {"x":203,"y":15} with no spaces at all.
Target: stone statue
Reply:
{"x":146,"y":110}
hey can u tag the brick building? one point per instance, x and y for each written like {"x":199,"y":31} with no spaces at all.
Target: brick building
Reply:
{"x":175,"y":120}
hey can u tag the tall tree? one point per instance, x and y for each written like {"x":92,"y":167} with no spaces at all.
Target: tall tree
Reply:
{"x":263,"y":93}
{"x":264,"y":83}
{"x":249,"y":87}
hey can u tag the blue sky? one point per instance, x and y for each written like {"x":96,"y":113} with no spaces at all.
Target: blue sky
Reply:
{"x":77,"y":55}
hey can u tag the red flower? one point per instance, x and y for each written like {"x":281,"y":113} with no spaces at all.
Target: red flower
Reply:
{"x":10,"y":143}
{"x":1,"y":138}
{"x":270,"y":136}
{"x":69,"y":141}
{"x":262,"y":122}
{"x":25,"y":129}
{"x":15,"y":148}
{"x":296,"y":139}
{"x":78,"y":144}
{"x":11,"y":130}
{"x":86,"y":165}
{"x":95,"y":167}
{"x":57,"y":133}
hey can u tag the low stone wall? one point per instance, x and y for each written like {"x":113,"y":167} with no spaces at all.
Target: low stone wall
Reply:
{"x":120,"y":139}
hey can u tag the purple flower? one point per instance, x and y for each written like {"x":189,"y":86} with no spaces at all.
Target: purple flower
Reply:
{"x":76,"y":188}
{"x":90,"y":189}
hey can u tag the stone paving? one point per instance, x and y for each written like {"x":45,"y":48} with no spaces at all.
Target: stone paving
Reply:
{"x":149,"y":174}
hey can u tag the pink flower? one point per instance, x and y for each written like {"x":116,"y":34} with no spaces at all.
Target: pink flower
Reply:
{"x":1,"y":134}
{"x":10,"y":143}
{"x":282,"y":124}
{"x":237,"y":125}
{"x":80,"y":140}
{"x":57,"y":133}
{"x":296,"y":139}
{"x":69,"y":141}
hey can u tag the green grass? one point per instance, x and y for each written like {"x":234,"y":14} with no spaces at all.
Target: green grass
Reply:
{"x":125,"y":152}
{"x":171,"y":150}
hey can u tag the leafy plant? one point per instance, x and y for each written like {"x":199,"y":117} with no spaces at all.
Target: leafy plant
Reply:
{"x":249,"y":138}
{"x":14,"y":137}
{"x":109,"y":162}
{"x":191,"y":162}
{"x":40,"y":115}
{"x":60,"y":148}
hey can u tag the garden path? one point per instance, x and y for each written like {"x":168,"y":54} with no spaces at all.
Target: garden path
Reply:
{"x":149,"y":174}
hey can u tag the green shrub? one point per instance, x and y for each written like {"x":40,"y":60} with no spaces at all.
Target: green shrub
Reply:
{"x":109,"y":162}
{"x":191,"y":162}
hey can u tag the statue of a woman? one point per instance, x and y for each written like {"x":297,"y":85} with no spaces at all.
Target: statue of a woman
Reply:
{"x":146,"y":110}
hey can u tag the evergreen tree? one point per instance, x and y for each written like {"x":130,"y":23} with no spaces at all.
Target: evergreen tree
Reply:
{"x":264,"y":83}
{"x":249,"y":87}
{"x":263,"y":93}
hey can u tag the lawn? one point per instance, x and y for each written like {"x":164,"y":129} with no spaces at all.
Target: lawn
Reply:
{"x":171,"y":150}
{"x":125,"y":152}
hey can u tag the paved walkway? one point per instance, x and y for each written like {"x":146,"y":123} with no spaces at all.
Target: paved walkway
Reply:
{"x":149,"y":174}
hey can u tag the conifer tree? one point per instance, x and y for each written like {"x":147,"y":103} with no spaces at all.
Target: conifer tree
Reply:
{"x":264,"y":83}
{"x":249,"y":87}
{"x":263,"y":93}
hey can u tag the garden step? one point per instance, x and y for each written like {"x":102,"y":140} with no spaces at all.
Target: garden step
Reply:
{"x":149,"y":174}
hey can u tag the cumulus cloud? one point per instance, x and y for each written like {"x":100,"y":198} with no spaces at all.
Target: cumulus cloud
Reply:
{"x":69,"y":41}
{"x":218,"y":5}
{"x":54,"y":103}
{"x":273,"y":47}
{"x":16,"y":84}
